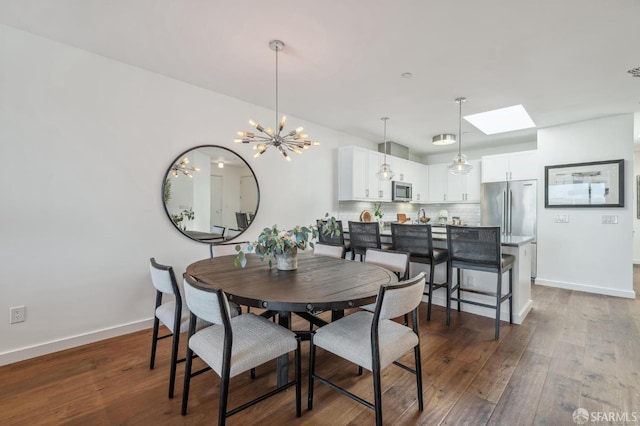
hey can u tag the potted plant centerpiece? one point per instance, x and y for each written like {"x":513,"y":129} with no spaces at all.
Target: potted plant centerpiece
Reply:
{"x":283,"y":246}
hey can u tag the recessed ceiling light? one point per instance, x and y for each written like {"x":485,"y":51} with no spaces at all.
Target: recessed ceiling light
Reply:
{"x":406,"y":75}
{"x":501,"y":120}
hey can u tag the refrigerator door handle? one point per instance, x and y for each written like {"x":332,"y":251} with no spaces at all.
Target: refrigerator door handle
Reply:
{"x":510,"y":211}
{"x":504,"y":212}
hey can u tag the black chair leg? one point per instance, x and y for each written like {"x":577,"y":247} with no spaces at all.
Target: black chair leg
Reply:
{"x":429,"y":301}
{"x":416,"y":352}
{"x":174,"y":362}
{"x":498,"y":297}
{"x":458,"y":284}
{"x":187,"y":381}
{"x":224,"y":394}
{"x":377,"y":395}
{"x":298,"y":380}
{"x":154,"y":342}
{"x":312,"y":371}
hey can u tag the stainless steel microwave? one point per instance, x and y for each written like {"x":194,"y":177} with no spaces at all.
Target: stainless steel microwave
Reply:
{"x":401,"y":191}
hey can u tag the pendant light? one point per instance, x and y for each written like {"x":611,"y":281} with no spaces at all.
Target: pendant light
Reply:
{"x":460,"y":165}
{"x":385,"y":172}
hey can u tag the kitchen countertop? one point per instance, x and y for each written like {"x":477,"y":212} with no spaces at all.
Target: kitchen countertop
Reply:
{"x":440,"y":234}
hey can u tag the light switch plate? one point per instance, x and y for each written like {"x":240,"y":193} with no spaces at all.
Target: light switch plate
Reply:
{"x":610,"y":219}
{"x":562,"y":218}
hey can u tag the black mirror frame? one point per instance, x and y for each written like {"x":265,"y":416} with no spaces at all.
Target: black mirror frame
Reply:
{"x":167,"y":173}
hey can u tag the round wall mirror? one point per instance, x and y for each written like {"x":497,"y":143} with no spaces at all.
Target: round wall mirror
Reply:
{"x":210,"y":194}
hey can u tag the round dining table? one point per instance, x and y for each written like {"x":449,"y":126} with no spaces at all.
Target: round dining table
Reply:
{"x":319,"y":284}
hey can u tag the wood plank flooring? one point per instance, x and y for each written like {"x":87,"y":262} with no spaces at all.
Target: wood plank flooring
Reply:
{"x":573,"y":350}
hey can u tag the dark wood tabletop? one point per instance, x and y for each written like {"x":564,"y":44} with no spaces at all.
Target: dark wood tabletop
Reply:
{"x":319,"y":283}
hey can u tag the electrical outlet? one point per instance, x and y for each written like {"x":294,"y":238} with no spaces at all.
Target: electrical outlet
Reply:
{"x":17,"y":314}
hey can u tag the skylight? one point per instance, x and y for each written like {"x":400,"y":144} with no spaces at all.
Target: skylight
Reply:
{"x":501,"y":120}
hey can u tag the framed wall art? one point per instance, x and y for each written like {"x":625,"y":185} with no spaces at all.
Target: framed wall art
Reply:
{"x":595,"y":184}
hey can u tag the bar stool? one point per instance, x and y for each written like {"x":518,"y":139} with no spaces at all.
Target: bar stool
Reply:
{"x":478,"y":248}
{"x":418,"y":241}
{"x":363,"y":235}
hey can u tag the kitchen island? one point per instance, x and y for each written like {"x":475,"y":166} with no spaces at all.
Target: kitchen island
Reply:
{"x":518,"y":246}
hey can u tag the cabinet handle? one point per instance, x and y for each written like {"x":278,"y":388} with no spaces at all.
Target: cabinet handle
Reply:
{"x":366,"y":192}
{"x":444,"y":197}
{"x":380,"y":194}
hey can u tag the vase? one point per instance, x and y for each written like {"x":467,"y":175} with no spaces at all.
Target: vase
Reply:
{"x":287,"y":261}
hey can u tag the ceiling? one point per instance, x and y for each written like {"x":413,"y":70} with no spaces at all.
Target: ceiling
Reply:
{"x":565,"y":61}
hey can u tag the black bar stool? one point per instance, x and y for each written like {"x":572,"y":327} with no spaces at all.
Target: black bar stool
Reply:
{"x":418,"y":241}
{"x":363,"y":235}
{"x":478,"y":248}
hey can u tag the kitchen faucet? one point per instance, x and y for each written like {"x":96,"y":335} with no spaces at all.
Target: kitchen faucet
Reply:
{"x":421,"y":213}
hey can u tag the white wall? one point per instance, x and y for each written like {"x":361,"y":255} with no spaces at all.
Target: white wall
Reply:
{"x":636,"y":221}
{"x":584,"y":254}
{"x":85,"y":143}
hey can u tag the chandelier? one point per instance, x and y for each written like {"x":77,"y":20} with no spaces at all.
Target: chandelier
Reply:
{"x":294,"y":140}
{"x":385,"y":172}
{"x":460,"y":165}
{"x":182,"y":167}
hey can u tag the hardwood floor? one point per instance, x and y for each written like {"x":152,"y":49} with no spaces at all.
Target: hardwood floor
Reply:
{"x":573,"y":350}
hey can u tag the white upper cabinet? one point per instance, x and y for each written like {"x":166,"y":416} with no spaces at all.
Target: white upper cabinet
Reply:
{"x":419,"y":179}
{"x":445,"y":187}
{"x":512,"y":166}
{"x":437,"y":183}
{"x":357,"y":180}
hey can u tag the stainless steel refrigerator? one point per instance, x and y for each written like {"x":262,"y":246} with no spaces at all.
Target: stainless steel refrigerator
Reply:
{"x":512,"y":207}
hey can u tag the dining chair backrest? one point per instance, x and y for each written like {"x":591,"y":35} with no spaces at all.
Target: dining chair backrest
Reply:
{"x":475,"y":247}
{"x":336,"y":238}
{"x":393,"y":260}
{"x":364,"y":235}
{"x":416,"y":239}
{"x":231,"y":233}
{"x":397,"y":299}
{"x":163,"y":278}
{"x":217,"y":229}
{"x":242,"y":221}
{"x":209,"y":305}
{"x":329,"y":250}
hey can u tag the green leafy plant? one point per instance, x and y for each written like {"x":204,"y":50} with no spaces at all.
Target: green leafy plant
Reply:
{"x":377,"y":210}
{"x":273,"y":241}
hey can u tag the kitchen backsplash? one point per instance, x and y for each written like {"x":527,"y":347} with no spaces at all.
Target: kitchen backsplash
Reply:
{"x":469,"y":214}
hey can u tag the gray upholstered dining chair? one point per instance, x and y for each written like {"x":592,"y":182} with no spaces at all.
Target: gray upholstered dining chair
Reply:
{"x":396,"y":261}
{"x":374,"y":340}
{"x":418,"y":241}
{"x":173,"y":314}
{"x":478,"y":248}
{"x":233,"y":345}
{"x":330,"y":250}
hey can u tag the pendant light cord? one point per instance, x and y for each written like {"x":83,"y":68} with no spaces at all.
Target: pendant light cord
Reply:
{"x":460,"y":101}
{"x":384,"y":138}
{"x":277,"y":49}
